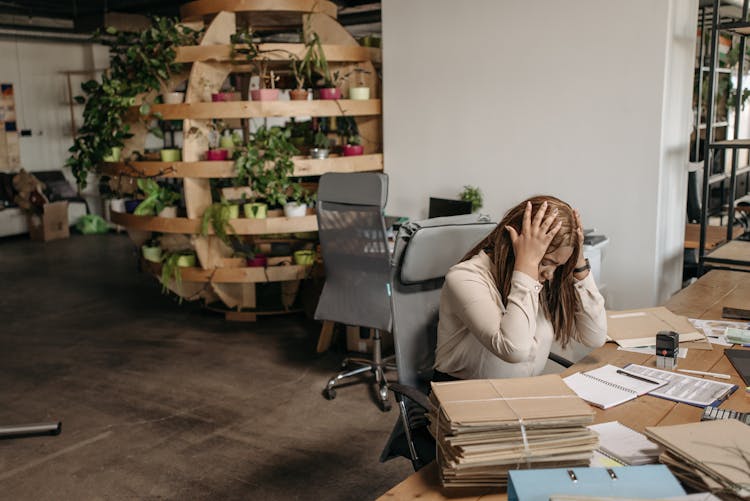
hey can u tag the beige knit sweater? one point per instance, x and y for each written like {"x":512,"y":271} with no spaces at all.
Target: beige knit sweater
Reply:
{"x":479,"y":337}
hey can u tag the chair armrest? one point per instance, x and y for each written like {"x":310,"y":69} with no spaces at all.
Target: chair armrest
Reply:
{"x":412,"y":393}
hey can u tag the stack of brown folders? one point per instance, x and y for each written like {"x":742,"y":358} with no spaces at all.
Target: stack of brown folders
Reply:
{"x":485,"y":427}
{"x":708,"y":456}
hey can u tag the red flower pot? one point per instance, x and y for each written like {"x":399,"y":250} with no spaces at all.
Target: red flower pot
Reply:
{"x":264,"y":94}
{"x":298,"y":95}
{"x":220,"y":154}
{"x":329,"y":93}
{"x":351,"y":150}
{"x":258,"y":261}
{"x":225,"y":96}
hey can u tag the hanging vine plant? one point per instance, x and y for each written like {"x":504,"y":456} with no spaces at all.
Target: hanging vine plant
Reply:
{"x":139,"y":63}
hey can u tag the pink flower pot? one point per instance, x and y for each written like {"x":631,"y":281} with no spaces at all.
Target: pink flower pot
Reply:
{"x":217,"y":155}
{"x":258,"y":261}
{"x":330,"y":93}
{"x":225,"y":96}
{"x":351,"y":150}
{"x":264,"y":94}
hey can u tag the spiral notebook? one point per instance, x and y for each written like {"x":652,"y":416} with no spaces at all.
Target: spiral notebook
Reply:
{"x":608,"y":385}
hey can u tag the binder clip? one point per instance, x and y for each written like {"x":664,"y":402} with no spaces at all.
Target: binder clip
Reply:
{"x":667,"y":349}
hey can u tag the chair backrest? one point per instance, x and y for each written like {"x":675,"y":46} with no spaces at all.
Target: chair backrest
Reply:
{"x":355,"y":250}
{"x":423,"y":254}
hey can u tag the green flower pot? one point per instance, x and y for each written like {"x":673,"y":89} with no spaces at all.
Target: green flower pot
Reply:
{"x":234,"y":211}
{"x":255,"y":210}
{"x":114,"y":154}
{"x":171,"y":155}
{"x":304,"y":257}
{"x":186,"y":261}
{"x":153,"y":254}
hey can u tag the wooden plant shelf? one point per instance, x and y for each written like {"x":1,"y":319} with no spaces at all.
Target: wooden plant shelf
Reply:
{"x":247,"y":274}
{"x":277,"y":52}
{"x":303,"y":166}
{"x":260,"y":109}
{"x":196,"y":11}
{"x":192,"y":226}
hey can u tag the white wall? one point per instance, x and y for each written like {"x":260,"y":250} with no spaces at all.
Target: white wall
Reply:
{"x":40,"y":89}
{"x":588,"y":100}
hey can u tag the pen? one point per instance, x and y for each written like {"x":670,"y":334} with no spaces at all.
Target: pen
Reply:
{"x":620,"y":371}
{"x":712,"y":374}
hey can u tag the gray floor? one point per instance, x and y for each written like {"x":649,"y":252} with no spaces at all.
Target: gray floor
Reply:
{"x":160,"y":401}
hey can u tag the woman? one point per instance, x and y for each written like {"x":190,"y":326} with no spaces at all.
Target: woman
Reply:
{"x":524,"y":285}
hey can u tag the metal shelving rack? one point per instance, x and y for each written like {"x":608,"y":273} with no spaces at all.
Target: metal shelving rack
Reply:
{"x":733,"y":254}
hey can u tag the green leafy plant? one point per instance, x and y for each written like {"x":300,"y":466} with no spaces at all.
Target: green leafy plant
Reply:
{"x":474,"y":195}
{"x":265,"y":163}
{"x":157,"y":197}
{"x":170,"y":269}
{"x":347,"y":128}
{"x":302,"y":195}
{"x":140,"y":62}
{"x":217,"y":216}
{"x":320,"y":140}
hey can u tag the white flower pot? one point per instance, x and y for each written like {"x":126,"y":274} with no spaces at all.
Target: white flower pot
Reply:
{"x":359,"y":93}
{"x":294,"y":209}
{"x":168,"y":212}
{"x":117,"y":205}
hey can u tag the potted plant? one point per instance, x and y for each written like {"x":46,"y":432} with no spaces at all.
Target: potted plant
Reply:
{"x":173,"y":97}
{"x":151,"y":251}
{"x":299,"y":200}
{"x":353,"y":146}
{"x":265,"y":164}
{"x":299,"y":71}
{"x":255,"y":209}
{"x":226,"y":96}
{"x":158,"y":200}
{"x":170,"y":155}
{"x":321,"y":145}
{"x":113,"y":155}
{"x":472,"y":194}
{"x":217,"y":216}
{"x":171,"y":264}
{"x":264,"y":93}
{"x":304,"y":257}
{"x":315,"y":65}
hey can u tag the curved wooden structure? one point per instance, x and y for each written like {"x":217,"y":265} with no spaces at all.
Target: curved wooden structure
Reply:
{"x":208,"y":65}
{"x":303,"y":166}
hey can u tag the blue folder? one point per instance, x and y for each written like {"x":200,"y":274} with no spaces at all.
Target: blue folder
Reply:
{"x":648,"y":482}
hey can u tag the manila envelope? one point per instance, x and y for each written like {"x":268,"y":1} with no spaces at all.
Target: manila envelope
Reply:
{"x":631,"y":328}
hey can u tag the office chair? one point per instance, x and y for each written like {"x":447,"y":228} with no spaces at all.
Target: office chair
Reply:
{"x":356,"y":257}
{"x":423,"y":254}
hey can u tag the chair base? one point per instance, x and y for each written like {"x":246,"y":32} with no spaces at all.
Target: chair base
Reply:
{"x":377,"y":366}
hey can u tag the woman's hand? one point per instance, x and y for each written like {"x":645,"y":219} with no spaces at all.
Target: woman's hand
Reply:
{"x":536,"y":234}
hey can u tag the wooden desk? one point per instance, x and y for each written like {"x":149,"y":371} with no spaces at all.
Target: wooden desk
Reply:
{"x":702,"y":299}
{"x":714,"y":235}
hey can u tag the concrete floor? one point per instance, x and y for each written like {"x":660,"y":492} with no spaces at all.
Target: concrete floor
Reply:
{"x":160,"y":401}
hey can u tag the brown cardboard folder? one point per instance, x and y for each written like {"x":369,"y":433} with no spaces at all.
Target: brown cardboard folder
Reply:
{"x":630,"y":328}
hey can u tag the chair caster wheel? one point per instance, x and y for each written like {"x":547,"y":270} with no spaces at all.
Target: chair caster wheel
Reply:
{"x":385,"y":403}
{"x":329,"y":393}
{"x":385,"y":406}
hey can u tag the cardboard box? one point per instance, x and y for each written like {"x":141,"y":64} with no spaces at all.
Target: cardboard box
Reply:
{"x":360,"y":339}
{"x":52,"y":224}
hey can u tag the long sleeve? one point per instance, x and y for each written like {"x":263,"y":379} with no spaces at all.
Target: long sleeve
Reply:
{"x":591,"y":319}
{"x":508,"y":334}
